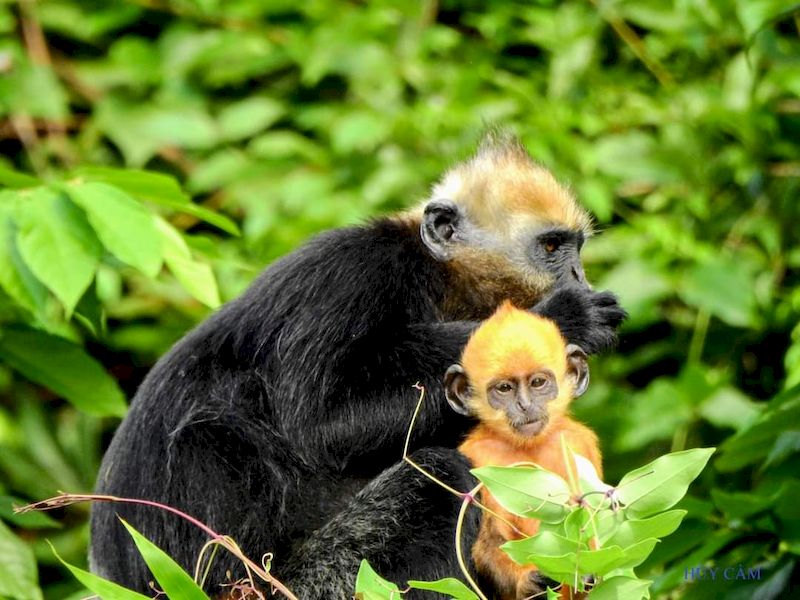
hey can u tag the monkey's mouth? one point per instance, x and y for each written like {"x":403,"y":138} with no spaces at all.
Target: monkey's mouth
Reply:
{"x":531,"y":428}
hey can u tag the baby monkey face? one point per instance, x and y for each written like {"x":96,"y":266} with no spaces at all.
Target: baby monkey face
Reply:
{"x":524,"y":399}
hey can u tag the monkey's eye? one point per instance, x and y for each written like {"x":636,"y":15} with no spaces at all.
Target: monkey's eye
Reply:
{"x":537,"y":381}
{"x":504,"y":387}
{"x":550,"y":244}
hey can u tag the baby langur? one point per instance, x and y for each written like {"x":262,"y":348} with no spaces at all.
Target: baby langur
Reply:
{"x":517,"y":377}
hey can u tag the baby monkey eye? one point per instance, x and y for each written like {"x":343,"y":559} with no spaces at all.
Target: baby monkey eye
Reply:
{"x":538,"y":381}
{"x":504,"y":387}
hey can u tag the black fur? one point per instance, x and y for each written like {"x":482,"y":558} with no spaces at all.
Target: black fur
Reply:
{"x":268,"y":420}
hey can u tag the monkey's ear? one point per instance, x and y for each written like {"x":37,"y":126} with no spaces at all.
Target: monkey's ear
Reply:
{"x":577,"y":369}
{"x":440,"y":222}
{"x":456,"y":389}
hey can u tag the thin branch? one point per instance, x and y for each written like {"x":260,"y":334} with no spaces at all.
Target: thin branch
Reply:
{"x":635,"y":43}
{"x":459,"y":551}
{"x":223,"y":540}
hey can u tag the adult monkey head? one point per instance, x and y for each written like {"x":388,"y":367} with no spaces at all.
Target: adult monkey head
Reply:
{"x":506,"y":229}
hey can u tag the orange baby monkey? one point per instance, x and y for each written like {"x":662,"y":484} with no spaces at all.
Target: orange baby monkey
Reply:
{"x":517,"y":377}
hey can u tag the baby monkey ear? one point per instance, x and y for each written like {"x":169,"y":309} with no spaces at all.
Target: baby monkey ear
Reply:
{"x":577,"y":369}
{"x":456,"y":389}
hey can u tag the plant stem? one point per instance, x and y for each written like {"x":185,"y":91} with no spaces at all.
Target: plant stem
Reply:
{"x":459,"y":552}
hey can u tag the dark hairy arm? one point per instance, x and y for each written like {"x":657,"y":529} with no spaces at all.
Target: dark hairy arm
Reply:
{"x":585,"y":317}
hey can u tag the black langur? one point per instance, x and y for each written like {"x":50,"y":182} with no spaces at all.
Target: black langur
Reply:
{"x":281,"y":419}
{"x":517,"y":376}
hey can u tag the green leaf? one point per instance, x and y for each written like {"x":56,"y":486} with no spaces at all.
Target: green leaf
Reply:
{"x":754,"y":15}
{"x":620,"y":588}
{"x":29,"y":520}
{"x":121,"y":223}
{"x":724,"y":287}
{"x":18,"y":577}
{"x":729,"y":407}
{"x":740,"y":505}
{"x":156,"y":188}
{"x":16,"y":278}
{"x":107,"y":590}
{"x":172,"y":579}
{"x":452,"y":587}
{"x":527,"y":491}
{"x":634,"y":531}
{"x":755,"y":442}
{"x":542,"y":544}
{"x":248,"y":117}
{"x":15,"y":179}
{"x":64,"y":368}
{"x":662,"y":483}
{"x":631,"y":557}
{"x":58,"y":245}
{"x":787,"y":444}
{"x":371,"y":586}
{"x":141,"y":129}
{"x":196,"y":277}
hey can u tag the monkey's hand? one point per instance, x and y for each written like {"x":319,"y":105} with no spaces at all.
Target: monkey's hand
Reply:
{"x":585,"y":317}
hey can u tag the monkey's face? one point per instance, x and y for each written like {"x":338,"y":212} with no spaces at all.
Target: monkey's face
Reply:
{"x":503,"y":222}
{"x":516,"y":374}
{"x":522,"y":401}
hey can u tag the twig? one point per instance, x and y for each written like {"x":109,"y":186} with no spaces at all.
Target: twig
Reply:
{"x":459,"y":551}
{"x":411,"y":462}
{"x":223,"y":540}
{"x":635,"y":43}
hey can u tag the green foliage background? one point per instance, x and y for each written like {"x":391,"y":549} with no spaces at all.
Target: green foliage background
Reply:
{"x":677,"y":123}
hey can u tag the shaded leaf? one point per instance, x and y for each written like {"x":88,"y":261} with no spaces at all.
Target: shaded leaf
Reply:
{"x":64,"y":368}
{"x":172,"y":579}
{"x":30,"y":520}
{"x":107,"y":590}
{"x":18,"y":577}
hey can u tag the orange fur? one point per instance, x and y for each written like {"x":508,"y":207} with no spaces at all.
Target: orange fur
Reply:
{"x":515,"y":343}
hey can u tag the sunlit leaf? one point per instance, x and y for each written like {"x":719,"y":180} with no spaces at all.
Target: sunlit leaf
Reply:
{"x":449,"y":586}
{"x":371,"y":586}
{"x":196,"y":277}
{"x":660,"y":484}
{"x":527,"y":491}
{"x":620,"y":588}
{"x":157,"y":188}
{"x":633,"y":531}
{"x":58,"y":245}
{"x":121,"y":223}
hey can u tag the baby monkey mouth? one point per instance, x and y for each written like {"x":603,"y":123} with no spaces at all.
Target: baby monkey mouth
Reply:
{"x":530,"y":426}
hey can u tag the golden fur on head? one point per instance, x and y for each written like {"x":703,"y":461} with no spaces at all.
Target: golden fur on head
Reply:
{"x":503,"y":189}
{"x":514,"y":343}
